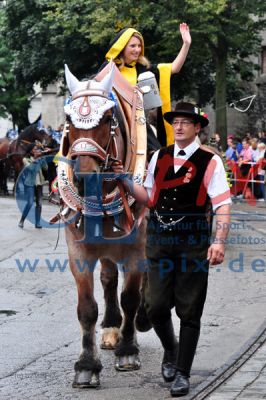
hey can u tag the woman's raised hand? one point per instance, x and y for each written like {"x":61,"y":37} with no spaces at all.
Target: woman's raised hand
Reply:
{"x":184,"y":30}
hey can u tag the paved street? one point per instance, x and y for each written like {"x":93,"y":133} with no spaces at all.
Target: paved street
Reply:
{"x":248,"y":383}
{"x":40,"y":335}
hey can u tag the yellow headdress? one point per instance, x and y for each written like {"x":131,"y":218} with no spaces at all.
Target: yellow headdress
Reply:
{"x":120,"y":42}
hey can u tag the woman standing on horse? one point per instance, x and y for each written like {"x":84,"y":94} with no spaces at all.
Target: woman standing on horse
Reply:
{"x":127,"y":51}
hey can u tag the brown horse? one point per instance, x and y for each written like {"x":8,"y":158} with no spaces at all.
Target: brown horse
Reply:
{"x":13,"y":151}
{"x":108,"y":225}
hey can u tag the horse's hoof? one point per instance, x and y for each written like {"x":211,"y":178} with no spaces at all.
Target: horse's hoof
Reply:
{"x":110,"y":337}
{"x":86,"y":379}
{"x":127,"y":363}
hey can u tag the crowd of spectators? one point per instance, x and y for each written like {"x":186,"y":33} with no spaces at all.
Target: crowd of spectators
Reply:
{"x":246,"y":158}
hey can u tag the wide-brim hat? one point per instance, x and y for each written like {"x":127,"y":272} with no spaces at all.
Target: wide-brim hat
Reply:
{"x":189,"y":109}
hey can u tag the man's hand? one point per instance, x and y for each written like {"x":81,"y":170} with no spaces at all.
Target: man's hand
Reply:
{"x":121,"y":175}
{"x":117,"y":167}
{"x":216,"y":253}
{"x":216,"y":250}
{"x":135,"y":190}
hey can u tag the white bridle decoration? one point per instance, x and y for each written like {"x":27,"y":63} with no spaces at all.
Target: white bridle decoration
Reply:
{"x":86,"y":111}
{"x":98,"y":106}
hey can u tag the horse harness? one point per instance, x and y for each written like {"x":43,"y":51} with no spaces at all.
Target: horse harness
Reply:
{"x":117,"y":202}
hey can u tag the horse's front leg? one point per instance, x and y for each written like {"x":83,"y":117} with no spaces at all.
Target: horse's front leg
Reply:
{"x":88,"y":365}
{"x":127,"y":349}
{"x":112,"y":317}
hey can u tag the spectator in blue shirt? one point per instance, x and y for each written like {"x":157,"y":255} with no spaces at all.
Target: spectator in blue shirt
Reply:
{"x":230,"y":153}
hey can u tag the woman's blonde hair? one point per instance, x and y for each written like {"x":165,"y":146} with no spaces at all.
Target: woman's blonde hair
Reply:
{"x":119,"y":60}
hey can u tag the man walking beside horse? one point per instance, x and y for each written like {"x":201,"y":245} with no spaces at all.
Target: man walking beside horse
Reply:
{"x":184,"y":180}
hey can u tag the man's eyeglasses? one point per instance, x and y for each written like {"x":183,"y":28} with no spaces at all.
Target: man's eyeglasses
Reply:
{"x":184,"y":122}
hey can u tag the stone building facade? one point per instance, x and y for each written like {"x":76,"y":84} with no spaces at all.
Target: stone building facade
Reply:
{"x":48,"y":103}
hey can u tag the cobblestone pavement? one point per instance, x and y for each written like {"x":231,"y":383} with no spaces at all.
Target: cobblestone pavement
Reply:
{"x":248,"y":383}
{"x":39,"y":330}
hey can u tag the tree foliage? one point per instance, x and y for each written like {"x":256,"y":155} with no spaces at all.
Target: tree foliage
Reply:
{"x":45,"y":34}
{"x":14,"y":99}
{"x":230,"y":30}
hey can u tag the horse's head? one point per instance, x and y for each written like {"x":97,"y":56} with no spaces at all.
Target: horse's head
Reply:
{"x":33,"y":134}
{"x":92,"y":132}
{"x":92,"y":138}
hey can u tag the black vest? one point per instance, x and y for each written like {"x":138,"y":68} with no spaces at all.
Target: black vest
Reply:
{"x":183,"y":193}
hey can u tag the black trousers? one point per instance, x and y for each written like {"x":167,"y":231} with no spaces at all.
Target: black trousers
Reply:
{"x":177,"y":275}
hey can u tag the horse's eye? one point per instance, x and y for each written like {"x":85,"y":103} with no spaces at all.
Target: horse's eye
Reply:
{"x":106,"y":119}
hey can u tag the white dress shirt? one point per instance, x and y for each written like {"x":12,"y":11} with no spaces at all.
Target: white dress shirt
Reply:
{"x":214,"y":178}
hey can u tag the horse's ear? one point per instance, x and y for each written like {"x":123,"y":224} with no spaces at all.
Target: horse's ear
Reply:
{"x":65,"y":145}
{"x":71,"y":80}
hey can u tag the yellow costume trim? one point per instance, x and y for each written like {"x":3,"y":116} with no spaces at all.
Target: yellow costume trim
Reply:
{"x":165,"y":77}
{"x":130,"y":74}
{"x":121,"y":43}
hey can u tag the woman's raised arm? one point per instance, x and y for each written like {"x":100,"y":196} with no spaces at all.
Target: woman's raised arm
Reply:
{"x":182,"y":55}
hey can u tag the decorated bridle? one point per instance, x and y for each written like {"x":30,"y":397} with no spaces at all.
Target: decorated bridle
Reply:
{"x":88,"y":146}
{"x":90,"y":100}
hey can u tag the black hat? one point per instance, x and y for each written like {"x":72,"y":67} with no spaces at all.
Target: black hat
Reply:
{"x":189,"y":109}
